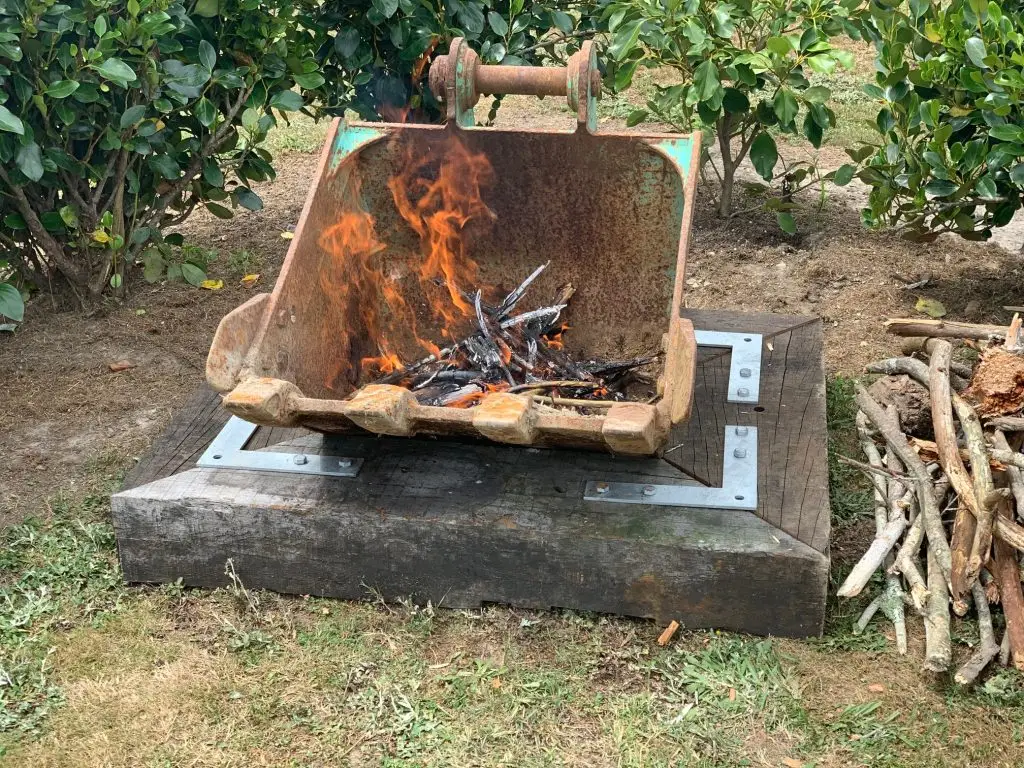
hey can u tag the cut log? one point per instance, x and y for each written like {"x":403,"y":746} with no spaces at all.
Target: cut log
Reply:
{"x":937,"y":640}
{"x":949,"y":457}
{"x":948,"y":329}
{"x":997,"y":386}
{"x":988,"y":648}
{"x":1007,"y":572}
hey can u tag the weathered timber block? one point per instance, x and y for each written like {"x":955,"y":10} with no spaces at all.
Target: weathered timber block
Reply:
{"x":462,"y":524}
{"x":308,"y":535}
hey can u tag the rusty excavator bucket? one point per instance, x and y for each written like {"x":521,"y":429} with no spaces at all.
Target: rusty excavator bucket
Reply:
{"x":405,"y":222}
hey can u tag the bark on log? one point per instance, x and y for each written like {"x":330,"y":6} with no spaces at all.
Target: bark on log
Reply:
{"x":930,"y":513}
{"x":988,"y":648}
{"x":949,"y":458}
{"x":1007,"y":572}
{"x":1006,"y":423}
{"x":981,"y":473}
{"x":872,"y":559}
{"x":950,"y":329}
{"x":937,"y":641}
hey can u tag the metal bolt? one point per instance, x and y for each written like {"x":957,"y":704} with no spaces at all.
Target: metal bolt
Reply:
{"x":602,"y":487}
{"x":742,"y":431}
{"x":745,"y":373}
{"x":740,"y":453}
{"x":649,"y":490}
{"x":743,"y":392}
{"x":345,"y":462}
{"x":300,"y":459}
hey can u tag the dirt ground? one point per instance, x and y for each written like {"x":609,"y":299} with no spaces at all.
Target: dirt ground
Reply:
{"x":62,"y":407}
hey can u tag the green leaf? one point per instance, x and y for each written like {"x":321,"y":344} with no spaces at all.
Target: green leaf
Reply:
{"x":705,"y":80}
{"x":785,"y":106}
{"x":193,"y":275}
{"x":69,"y":216}
{"x":986,"y":188}
{"x":1017,"y":174}
{"x":213,"y":174}
{"x":246,"y":198}
{"x":115,"y":281}
{"x":207,"y":55}
{"x":250,"y":119}
{"x":310,"y":81}
{"x":786,"y":222}
{"x":823,"y":63}
{"x":11,"y":304}
{"x":563,"y":21}
{"x":205,"y":112}
{"x":497,"y":23}
{"x":778,"y":45}
{"x":940,"y":188}
{"x":287,"y":101}
{"x":165,"y":166}
{"x":10,"y":122}
{"x":207,"y":8}
{"x":117,"y":71}
{"x":62,"y":89}
{"x":843,"y":175}
{"x":975,"y":50}
{"x":220,"y":211}
{"x":152,"y":264}
{"x":930,"y":307}
{"x":385,"y":8}
{"x":100,"y":26}
{"x":347,"y":41}
{"x":30,"y":161}
{"x":624,"y":40}
{"x":817,"y":94}
{"x":734,"y":100}
{"x":132,"y":116}
{"x":636,"y":117}
{"x":1007,"y":133}
{"x":764,"y":154}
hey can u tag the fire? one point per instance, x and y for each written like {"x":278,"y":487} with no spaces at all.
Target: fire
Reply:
{"x":474,"y":398}
{"x":437,"y":193}
{"x":554,"y":340}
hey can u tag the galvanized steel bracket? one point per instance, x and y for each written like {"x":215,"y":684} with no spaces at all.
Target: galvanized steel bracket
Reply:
{"x":739,"y":463}
{"x":227,"y":451}
{"x":738,"y":490}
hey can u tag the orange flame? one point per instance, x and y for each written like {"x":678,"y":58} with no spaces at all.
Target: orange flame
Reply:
{"x":437,"y":193}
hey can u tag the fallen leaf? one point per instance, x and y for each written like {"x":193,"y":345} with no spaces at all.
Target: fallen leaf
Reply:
{"x":100,"y":236}
{"x":250,"y":280}
{"x":140,"y":312}
{"x":792,"y":762}
{"x":496,"y":682}
{"x":876,"y":688}
{"x":930,"y":307}
{"x":732,"y":694}
{"x":287,"y":235}
{"x":121,"y":365}
{"x":212,"y":285}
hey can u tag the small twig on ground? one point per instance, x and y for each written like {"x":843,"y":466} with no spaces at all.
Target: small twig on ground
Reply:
{"x":669,"y":632}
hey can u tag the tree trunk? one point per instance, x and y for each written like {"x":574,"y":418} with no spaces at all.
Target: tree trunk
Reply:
{"x":725,"y":196}
{"x":724,"y":128}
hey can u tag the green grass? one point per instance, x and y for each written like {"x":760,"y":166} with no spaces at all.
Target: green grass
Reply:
{"x":849,"y":492}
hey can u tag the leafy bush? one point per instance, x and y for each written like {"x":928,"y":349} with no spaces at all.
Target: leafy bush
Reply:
{"x":119,"y":117}
{"x":951,"y":81}
{"x":375,"y":57}
{"x":743,"y":68}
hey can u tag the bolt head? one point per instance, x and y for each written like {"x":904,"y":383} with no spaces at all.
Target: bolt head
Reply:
{"x":649,"y":490}
{"x":602,"y":487}
{"x":345,"y":462}
{"x":743,"y":392}
{"x":746,"y":373}
{"x":300,"y":459}
{"x":742,"y":431}
{"x":740,"y":453}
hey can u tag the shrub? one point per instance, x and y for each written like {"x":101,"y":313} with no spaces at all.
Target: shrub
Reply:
{"x":119,"y":117}
{"x":376,"y":55}
{"x":743,"y":67}
{"x":951,"y":81}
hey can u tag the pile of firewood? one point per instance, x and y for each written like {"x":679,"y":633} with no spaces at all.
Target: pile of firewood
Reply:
{"x":942,"y":440}
{"x":521,"y":353}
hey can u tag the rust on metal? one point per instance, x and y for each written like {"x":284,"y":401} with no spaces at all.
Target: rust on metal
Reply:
{"x":610,"y":211}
